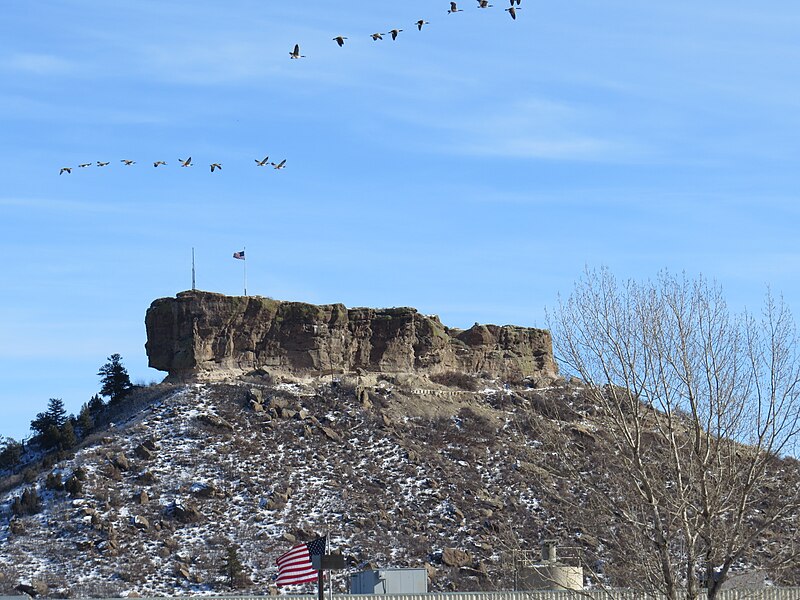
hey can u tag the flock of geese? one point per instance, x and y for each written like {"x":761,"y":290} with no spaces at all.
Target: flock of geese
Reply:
{"x":340,"y":39}
{"x":264,"y":162}
{"x":295,"y":53}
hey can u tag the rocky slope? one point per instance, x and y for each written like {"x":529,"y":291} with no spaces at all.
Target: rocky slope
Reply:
{"x":399,"y":470}
{"x":206,"y":335}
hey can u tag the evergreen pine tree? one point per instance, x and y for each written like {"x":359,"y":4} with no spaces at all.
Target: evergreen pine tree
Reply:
{"x":96,"y":404}
{"x":10,"y":453}
{"x":54,"y":416}
{"x":68,"y":437}
{"x":114,"y":379}
{"x":232,"y":568}
{"x":85,"y":420}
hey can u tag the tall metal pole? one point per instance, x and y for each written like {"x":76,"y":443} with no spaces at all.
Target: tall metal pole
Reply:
{"x":193,"y":286}
{"x":245,"y":270}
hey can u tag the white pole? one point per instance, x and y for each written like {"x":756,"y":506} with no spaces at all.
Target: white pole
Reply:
{"x":330,"y":573}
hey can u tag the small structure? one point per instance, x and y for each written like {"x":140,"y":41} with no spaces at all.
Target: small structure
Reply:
{"x":390,"y":581}
{"x":548,"y":573}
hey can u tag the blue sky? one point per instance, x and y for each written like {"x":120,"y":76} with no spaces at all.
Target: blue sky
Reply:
{"x":471,"y":169}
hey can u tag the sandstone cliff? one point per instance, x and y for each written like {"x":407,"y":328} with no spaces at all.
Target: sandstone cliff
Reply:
{"x":203,"y":334}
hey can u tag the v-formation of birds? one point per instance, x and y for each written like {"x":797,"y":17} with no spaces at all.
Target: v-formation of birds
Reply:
{"x":264,"y":162}
{"x":295,"y":53}
{"x":340,"y":39}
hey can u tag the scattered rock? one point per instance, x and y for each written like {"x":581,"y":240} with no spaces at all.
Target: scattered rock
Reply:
{"x":453,"y":557}
{"x":185,"y":513}
{"x":16,"y":527}
{"x":143,"y":452}
{"x":121,"y":462}
{"x":331,"y":434}
{"x":215,"y":421}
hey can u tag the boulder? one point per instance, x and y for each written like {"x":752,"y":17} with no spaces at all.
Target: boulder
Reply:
{"x":453,"y":557}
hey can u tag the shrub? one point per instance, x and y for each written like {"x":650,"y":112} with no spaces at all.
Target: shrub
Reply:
{"x":54,"y":482}
{"x":457,"y":380}
{"x":74,"y":486}
{"x":27,"y":504}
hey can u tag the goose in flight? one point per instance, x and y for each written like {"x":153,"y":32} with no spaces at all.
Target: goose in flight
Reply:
{"x":296,"y":52}
{"x":454,"y":8}
{"x":215,"y":166}
{"x":394,"y":33}
{"x":66,"y":170}
{"x":159,"y":163}
{"x":185,"y":163}
{"x":280,"y":165}
{"x":128,"y":162}
{"x":513,"y":12}
{"x":262,"y":163}
{"x":376,"y":36}
{"x":84,"y":165}
{"x":102,"y":164}
{"x":515,"y":2}
{"x":339,"y":39}
{"x":420,"y":23}
{"x":484,"y":4}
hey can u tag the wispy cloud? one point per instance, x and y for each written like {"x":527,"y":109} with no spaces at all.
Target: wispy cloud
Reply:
{"x":38,"y":64}
{"x":70,"y":207}
{"x":528,"y":129}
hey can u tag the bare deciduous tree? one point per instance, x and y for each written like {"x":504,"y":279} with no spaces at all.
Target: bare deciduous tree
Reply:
{"x":699,"y":413}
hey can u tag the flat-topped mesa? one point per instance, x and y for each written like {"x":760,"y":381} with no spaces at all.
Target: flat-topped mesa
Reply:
{"x":207,"y":335}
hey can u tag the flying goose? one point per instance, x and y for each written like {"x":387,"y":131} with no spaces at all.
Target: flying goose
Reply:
{"x":262,"y":163}
{"x":420,"y":23}
{"x":513,"y":12}
{"x":339,"y":39}
{"x":376,"y":36}
{"x":84,"y":165}
{"x":394,"y":33}
{"x":484,"y":4}
{"x":66,"y":170}
{"x":215,"y":166}
{"x":454,"y":8}
{"x":296,"y":52}
{"x":158,"y":163}
{"x":102,"y":164}
{"x":185,"y":163}
{"x":280,"y":165}
{"x":128,"y":162}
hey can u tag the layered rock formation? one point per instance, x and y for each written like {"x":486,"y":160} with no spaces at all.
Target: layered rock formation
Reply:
{"x":203,"y":334}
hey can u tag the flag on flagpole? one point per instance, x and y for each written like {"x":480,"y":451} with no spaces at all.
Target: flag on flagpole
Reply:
{"x":294,"y":566}
{"x":239,"y":255}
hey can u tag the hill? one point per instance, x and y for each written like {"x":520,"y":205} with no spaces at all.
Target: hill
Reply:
{"x":454,"y":471}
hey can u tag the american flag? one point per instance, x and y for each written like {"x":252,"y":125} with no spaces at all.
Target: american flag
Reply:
{"x":239,"y":255}
{"x":295,"y":567}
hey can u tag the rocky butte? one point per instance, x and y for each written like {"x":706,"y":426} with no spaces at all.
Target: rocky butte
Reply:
{"x":204,"y":335}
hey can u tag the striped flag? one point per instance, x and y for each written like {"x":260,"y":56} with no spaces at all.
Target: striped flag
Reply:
{"x":239,"y":255}
{"x":295,"y":567}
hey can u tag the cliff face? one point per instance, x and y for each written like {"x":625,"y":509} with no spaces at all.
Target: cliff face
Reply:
{"x":199,"y":334}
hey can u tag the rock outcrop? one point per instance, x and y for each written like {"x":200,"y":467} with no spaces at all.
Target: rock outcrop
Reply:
{"x":203,"y":334}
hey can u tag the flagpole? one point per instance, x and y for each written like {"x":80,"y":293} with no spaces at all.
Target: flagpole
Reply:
{"x":245,"y":270}
{"x":193,"y":286}
{"x":330,"y":573}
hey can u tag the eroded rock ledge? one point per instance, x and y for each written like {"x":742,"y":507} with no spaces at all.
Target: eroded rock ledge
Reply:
{"x":202,"y":334}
